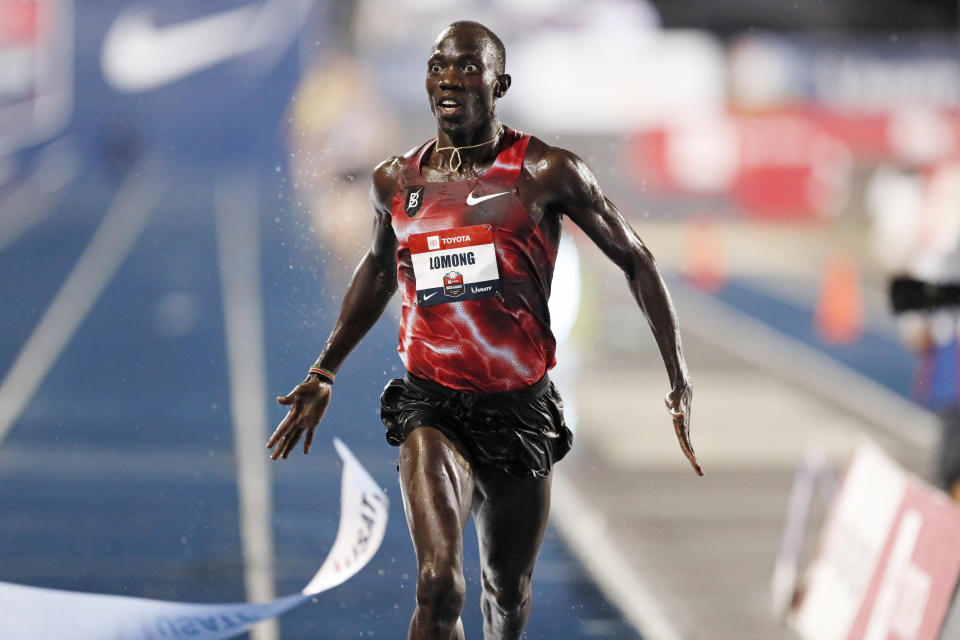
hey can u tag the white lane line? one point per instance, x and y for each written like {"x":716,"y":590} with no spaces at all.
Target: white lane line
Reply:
{"x":584,"y":530}
{"x":113,"y":240}
{"x":238,"y":249}
{"x":746,"y":337}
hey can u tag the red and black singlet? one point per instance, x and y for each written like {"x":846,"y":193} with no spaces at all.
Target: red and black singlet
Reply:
{"x":474,"y":268}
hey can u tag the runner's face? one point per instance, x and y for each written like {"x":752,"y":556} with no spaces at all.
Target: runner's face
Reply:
{"x":462,"y":83}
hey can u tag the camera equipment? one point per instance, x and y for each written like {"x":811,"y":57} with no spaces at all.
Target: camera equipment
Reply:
{"x":910,"y":294}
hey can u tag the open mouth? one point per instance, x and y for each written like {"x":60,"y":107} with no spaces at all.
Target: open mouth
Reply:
{"x":447,"y":107}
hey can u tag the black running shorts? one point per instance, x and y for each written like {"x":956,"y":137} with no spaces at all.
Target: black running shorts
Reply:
{"x":521,"y":431}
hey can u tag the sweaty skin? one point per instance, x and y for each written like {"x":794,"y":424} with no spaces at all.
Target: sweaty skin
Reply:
{"x":465,"y":78}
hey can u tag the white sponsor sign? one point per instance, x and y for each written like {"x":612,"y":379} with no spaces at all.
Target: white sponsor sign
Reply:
{"x":853,"y":543}
{"x":888,"y":559}
{"x":31,"y":613}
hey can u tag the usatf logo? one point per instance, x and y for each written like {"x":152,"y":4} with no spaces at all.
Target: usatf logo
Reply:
{"x":414,"y":200}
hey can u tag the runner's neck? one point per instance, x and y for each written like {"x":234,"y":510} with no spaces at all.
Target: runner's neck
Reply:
{"x":478,"y":147}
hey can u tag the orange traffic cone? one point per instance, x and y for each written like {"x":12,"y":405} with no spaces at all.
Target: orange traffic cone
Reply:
{"x":705,"y":268}
{"x":839,"y":313}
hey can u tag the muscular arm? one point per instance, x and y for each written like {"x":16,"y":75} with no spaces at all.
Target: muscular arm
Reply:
{"x":373,"y":282}
{"x":569,"y":188}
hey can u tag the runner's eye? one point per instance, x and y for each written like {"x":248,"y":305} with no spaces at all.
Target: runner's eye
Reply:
{"x":471,"y":68}
{"x":434,"y":68}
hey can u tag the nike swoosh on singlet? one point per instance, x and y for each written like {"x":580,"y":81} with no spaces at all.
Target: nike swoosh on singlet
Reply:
{"x":428,"y":296}
{"x":472,"y":201}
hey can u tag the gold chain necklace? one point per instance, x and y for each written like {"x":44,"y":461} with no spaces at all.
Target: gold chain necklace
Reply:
{"x":456,"y":150}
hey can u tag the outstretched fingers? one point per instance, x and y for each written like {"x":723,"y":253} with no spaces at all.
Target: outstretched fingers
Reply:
{"x":683,"y":435}
{"x":284,"y":425}
{"x":285,"y":441}
{"x":290,"y":442}
{"x":309,"y":440}
{"x":678,"y":404}
{"x":307,"y":403}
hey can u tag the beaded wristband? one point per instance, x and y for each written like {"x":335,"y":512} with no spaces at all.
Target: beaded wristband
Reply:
{"x":325,"y":374}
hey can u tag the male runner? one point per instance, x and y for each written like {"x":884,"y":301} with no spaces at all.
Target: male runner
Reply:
{"x":468,"y":226}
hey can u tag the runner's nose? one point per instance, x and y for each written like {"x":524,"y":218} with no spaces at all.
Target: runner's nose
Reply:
{"x":450,"y":80}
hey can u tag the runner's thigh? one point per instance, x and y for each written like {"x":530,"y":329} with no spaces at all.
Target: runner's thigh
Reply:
{"x":511,"y":517}
{"x":438,"y":488}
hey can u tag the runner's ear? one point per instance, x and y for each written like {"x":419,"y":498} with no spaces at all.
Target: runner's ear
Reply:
{"x":502,"y":84}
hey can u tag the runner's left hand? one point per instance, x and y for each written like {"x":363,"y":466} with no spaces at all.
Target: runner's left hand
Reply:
{"x":678,"y":403}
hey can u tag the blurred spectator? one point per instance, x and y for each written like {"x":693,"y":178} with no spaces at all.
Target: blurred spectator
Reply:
{"x":916,"y":233}
{"x":341,"y":129}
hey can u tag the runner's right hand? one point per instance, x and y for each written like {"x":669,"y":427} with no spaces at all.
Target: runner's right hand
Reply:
{"x":308,"y":402}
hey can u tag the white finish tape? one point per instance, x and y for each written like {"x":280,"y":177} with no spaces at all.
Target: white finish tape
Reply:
{"x":49,"y":614}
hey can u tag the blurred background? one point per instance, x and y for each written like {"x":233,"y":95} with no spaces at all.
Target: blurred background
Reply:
{"x":183,"y":197}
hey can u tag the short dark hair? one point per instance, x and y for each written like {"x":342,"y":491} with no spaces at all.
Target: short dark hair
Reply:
{"x":499,"y":51}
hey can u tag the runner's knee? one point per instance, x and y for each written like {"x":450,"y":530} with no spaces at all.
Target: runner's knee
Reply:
{"x":509,"y":594}
{"x":441,"y":590}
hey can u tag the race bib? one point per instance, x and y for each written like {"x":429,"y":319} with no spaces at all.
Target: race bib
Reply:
{"x":456,"y":264}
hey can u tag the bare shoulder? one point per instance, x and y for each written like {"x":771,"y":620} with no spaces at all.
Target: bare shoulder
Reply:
{"x":385,"y":179}
{"x":543,"y":159}
{"x":558,"y":173}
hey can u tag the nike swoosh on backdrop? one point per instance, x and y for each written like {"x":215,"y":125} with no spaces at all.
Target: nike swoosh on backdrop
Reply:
{"x":472,"y":200}
{"x":139,"y":56}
